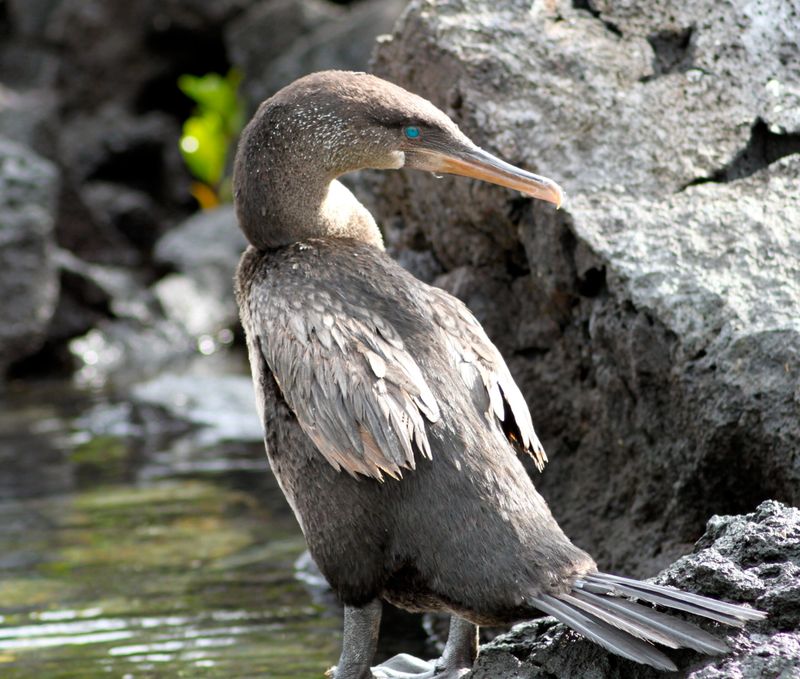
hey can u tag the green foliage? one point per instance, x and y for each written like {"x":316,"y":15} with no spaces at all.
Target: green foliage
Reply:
{"x":209,"y":133}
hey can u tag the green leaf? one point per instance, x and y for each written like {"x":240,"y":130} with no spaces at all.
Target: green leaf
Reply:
{"x":218,"y":118}
{"x":204,"y":146}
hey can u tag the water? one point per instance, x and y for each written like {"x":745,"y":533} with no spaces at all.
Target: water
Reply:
{"x":134,"y":544}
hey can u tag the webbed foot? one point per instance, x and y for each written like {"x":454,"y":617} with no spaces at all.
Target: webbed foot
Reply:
{"x":404,"y":666}
{"x":456,"y":661}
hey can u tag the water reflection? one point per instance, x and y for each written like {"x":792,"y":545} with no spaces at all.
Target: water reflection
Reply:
{"x":142,"y":535}
{"x":135,"y":542}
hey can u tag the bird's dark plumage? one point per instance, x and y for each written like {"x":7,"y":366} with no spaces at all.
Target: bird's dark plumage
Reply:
{"x":356,"y":351}
{"x":355,"y":366}
{"x":392,"y":422}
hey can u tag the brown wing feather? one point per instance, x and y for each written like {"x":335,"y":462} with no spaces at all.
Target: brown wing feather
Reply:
{"x":345,"y":370}
{"x":356,"y":392}
{"x":474,"y":354}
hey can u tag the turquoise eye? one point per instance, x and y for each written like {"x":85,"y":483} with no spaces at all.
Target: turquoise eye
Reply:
{"x":412,"y":132}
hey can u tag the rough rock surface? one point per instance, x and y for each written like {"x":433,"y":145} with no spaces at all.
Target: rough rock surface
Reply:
{"x":28,"y":118}
{"x":314,"y":36}
{"x":343,"y":44}
{"x":254,"y":55}
{"x":753,"y":558}
{"x":654,"y":323}
{"x":28,"y":275}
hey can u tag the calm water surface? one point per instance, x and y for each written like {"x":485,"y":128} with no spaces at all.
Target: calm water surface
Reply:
{"x":134,"y":545}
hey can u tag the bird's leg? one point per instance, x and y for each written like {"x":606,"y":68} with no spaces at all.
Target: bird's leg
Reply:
{"x":461,"y":648}
{"x":456,"y":661}
{"x":360,"y":639}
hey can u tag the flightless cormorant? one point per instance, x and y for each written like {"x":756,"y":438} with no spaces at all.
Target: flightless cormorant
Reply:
{"x":392,"y":423}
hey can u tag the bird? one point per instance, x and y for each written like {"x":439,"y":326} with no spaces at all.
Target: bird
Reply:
{"x":392,"y":423}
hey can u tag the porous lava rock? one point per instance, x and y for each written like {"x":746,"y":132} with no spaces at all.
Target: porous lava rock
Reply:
{"x":654,"y":322}
{"x":752,"y":559}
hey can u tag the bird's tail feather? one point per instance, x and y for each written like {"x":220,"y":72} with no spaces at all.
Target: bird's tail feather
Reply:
{"x":615,"y":640}
{"x":595,"y":608}
{"x":721,"y":611}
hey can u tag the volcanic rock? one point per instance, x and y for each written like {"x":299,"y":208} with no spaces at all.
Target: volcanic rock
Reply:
{"x":654,"y":322}
{"x":752,"y":559}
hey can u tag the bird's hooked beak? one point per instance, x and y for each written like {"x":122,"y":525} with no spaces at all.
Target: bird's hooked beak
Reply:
{"x":472,"y":161}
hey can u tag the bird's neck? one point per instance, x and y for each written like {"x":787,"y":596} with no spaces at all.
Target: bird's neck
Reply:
{"x":341,"y":214}
{"x":278,"y":205}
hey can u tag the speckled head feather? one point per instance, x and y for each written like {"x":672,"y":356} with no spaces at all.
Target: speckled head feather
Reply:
{"x":356,"y":120}
{"x":314,"y":130}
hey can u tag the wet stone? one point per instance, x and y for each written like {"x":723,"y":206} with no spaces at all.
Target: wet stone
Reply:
{"x":118,"y":558}
{"x":28,"y":275}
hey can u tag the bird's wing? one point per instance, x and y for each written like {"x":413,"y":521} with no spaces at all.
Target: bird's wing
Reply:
{"x":346,"y":374}
{"x":476,"y":357}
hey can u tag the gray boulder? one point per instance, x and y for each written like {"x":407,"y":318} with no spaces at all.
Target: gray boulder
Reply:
{"x":137,"y":48}
{"x":205,"y":251}
{"x":187,"y":311}
{"x":29,"y":17}
{"x":654,"y":323}
{"x":113,"y":324}
{"x":28,"y":275}
{"x":26,"y":61}
{"x":753,"y":558}
{"x":115,"y":144}
{"x":124,"y":182}
{"x":285,"y":22}
{"x":124,"y":210}
{"x":307,"y":36}
{"x":28,"y":118}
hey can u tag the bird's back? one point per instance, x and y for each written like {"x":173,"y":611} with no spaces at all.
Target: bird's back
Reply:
{"x":345,"y":343}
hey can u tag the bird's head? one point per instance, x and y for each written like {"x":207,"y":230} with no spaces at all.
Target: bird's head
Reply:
{"x":334,"y":122}
{"x":352,"y":120}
